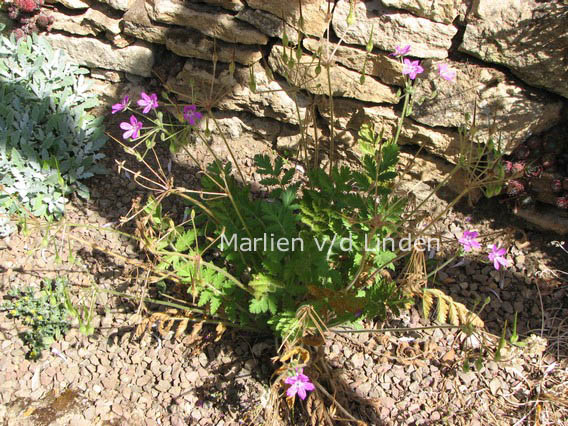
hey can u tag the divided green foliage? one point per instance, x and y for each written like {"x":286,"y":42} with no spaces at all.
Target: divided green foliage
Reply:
{"x":44,"y":312}
{"x":267,"y":285}
{"x":48,"y":142}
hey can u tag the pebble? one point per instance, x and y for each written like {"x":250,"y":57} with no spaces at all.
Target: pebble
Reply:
{"x":357,"y":360}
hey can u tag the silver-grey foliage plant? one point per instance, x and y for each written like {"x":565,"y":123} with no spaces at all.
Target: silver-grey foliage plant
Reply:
{"x":49,"y":143}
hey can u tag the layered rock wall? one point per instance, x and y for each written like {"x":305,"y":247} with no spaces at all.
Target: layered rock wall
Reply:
{"x":511,"y":58}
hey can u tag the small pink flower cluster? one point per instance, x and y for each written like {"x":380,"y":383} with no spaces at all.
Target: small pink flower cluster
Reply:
{"x":413,"y":68}
{"x":497,"y":255}
{"x":148,"y":103}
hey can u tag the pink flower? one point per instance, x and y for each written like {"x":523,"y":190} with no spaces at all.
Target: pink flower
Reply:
{"x":132,"y":128}
{"x":148,"y":102}
{"x":412,"y":68}
{"x":497,"y":256}
{"x":191,"y":114}
{"x":121,"y":106}
{"x":446,"y":73}
{"x":469,"y":240}
{"x":401,"y":50}
{"x":299,"y":384}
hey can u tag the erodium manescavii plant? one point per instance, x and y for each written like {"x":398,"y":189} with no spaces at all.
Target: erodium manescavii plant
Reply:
{"x":308,"y":254}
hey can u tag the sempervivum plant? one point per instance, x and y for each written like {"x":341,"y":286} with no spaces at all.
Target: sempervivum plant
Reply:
{"x":533,"y":170}
{"x":516,"y":187}
{"x":538,"y":169}
{"x":556,"y":186}
{"x":28,"y":16}
{"x":562,"y":202}
{"x":17,"y":7}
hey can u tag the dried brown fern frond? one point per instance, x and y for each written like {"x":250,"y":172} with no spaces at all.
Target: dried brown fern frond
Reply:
{"x":414,"y":277}
{"x":448,"y":310}
{"x":170,"y":320}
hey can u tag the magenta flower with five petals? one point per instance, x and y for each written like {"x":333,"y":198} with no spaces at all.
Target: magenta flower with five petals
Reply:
{"x":469,"y":240}
{"x":299,"y":384}
{"x":446,"y":72}
{"x":132,"y":128}
{"x":497,"y":256}
{"x":121,"y":106}
{"x":191,"y":114}
{"x":148,"y":102}
{"x":411,"y":68}
{"x":401,"y":50}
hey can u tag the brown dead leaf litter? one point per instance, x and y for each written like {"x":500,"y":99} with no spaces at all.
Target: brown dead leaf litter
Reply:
{"x":391,"y":378}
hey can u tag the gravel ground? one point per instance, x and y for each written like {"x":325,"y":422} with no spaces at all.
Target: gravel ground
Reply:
{"x":117,"y":377}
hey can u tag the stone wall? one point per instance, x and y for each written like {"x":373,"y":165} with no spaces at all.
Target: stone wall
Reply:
{"x":511,"y":57}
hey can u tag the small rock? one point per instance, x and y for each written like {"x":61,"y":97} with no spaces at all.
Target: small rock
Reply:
{"x":90,"y":413}
{"x":144,"y":380}
{"x":467,"y":378}
{"x":163,"y":386}
{"x":357,"y":360}
{"x":495,"y":385}
{"x":36,"y":379}
{"x":387,"y":402}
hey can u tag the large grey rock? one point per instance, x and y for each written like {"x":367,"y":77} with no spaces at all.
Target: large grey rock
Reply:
{"x":206,"y":19}
{"x":235,"y":125}
{"x":153,"y":33}
{"x":387,"y":69}
{"x":268,"y":23}
{"x":95,"y":20}
{"x":392,"y":28}
{"x":351,"y":115}
{"x":234,"y":5}
{"x":137,"y":24}
{"x":527,"y":36}
{"x":344,"y":82}
{"x":274,"y":99}
{"x":136,"y":59}
{"x":444,"y":11}
{"x":122,"y":5}
{"x":504,"y":108}
{"x":71,"y":4}
{"x":103,"y":18}
{"x":314,"y":13}
{"x":192,"y":44}
{"x":72,"y":24}
{"x":432,"y":170}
